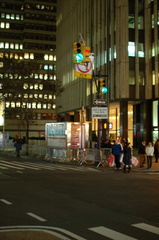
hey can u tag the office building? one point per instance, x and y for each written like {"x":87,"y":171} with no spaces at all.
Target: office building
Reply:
{"x":28,"y":32}
{"x":124,"y":37}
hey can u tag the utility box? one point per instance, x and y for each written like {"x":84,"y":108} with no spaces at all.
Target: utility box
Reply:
{"x":65,"y":135}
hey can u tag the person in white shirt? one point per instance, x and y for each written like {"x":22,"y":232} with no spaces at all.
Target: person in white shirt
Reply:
{"x":149,"y":153}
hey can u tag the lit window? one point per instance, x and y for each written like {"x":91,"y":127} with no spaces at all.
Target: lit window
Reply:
{"x":50,"y":96}
{"x":2,"y":25}
{"x":18,"y":104}
{"x":39,"y":105}
{"x":26,"y":55}
{"x":45,"y":67}
{"x":41,"y":76}
{"x":16,"y":46}
{"x":40,"y":96}
{"x":54,"y":57}
{"x":25,"y":95}
{"x":53,"y":106}
{"x":25,"y":86}
{"x":17,"y":17}
{"x":36,"y":76}
{"x":7,"y":104}
{"x":7,"y":25}
{"x":6,"y":45}
{"x":51,"y":58}
{"x":30,"y":95}
{"x":49,"y":106}
{"x":24,"y":105}
{"x":31,"y":55}
{"x":45,"y":77}
{"x":51,"y":67}
{"x":12,"y":104}
{"x":36,"y":95}
{"x":31,"y":86}
{"x":2,"y":45}
{"x":40,"y":86}
{"x":46,"y":57}
{"x":12,"y":46}
{"x":45,"y":96}
{"x":36,"y":87}
{"x":131,"y":49}
{"x":44,"y":106}
{"x":7,"y":16}
{"x":28,"y":105}
{"x":34,"y":105}
{"x":21,"y":46}
{"x":54,"y":77}
{"x":12,"y":16}
{"x":16,"y":56}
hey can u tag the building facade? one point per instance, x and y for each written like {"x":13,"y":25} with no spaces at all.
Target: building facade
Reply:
{"x":124,"y":37}
{"x":28,"y":33}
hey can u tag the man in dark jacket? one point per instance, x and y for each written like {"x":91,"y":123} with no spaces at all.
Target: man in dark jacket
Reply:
{"x":142,"y":153}
{"x":116,"y":151}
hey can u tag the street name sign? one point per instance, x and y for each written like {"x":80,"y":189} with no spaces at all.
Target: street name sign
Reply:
{"x":100,"y":112}
{"x":100,"y":102}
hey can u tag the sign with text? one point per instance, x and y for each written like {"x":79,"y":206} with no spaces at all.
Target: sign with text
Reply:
{"x":100,"y":112}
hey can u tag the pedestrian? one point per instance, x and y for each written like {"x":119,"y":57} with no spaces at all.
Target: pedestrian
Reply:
{"x":156,"y":150}
{"x":127,"y":157}
{"x":18,"y":146}
{"x":149,"y":153}
{"x":142,"y":153}
{"x":116,"y":151}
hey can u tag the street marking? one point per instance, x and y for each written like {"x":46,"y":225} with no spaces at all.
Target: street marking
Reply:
{"x":147,"y":227}
{"x":106,"y":232}
{"x":19,"y":165}
{"x":50,"y":230}
{"x":5,"y":201}
{"x":37,"y":217}
{"x":3,"y":167}
{"x":10,"y":166}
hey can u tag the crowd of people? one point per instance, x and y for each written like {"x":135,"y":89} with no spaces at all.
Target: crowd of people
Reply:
{"x":122,"y":151}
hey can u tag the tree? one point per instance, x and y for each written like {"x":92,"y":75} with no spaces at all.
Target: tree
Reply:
{"x":18,"y":82}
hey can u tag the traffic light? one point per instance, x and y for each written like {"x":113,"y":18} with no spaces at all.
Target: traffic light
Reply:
{"x":78,"y":52}
{"x":102,"y":86}
{"x":86,"y":54}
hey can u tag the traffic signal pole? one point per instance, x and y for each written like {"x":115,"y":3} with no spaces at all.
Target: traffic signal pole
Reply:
{"x":100,"y":122}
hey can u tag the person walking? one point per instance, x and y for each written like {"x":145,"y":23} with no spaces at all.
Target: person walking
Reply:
{"x":18,"y":146}
{"x":156,"y":150}
{"x":142,"y":153}
{"x":149,"y":153}
{"x":127,"y":157}
{"x":116,"y":151}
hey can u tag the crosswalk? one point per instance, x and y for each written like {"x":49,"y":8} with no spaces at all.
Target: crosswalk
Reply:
{"x":115,"y":235}
{"x":24,"y":165}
